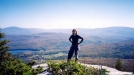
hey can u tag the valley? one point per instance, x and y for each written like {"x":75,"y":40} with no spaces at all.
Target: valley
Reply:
{"x":107,"y":43}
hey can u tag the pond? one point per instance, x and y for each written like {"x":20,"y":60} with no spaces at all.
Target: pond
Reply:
{"x":21,"y":51}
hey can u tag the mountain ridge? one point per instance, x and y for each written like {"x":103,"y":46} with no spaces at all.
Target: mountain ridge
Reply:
{"x":96,"y":31}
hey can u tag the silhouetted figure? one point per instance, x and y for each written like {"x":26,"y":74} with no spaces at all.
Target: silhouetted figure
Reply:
{"x":75,"y":45}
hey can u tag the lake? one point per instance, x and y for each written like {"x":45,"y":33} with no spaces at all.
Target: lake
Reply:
{"x":21,"y":51}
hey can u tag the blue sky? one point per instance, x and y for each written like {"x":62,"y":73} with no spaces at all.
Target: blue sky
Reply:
{"x":53,"y":14}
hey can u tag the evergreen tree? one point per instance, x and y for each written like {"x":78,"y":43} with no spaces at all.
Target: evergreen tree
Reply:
{"x":4,"y":54}
{"x":118,"y":64}
{"x":13,"y":66}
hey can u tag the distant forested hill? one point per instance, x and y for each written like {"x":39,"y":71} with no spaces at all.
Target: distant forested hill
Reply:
{"x":21,"y":31}
{"x":107,"y":42}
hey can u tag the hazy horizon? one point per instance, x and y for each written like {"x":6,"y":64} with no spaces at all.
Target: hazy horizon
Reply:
{"x":66,"y":28}
{"x":66,"y":14}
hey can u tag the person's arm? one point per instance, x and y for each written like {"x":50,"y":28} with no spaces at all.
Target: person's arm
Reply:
{"x":70,"y":39}
{"x":81,"y":39}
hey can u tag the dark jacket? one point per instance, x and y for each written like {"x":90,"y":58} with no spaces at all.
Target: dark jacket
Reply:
{"x":74,"y":39}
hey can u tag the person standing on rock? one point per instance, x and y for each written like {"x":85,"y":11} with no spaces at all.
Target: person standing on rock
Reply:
{"x":74,"y":39}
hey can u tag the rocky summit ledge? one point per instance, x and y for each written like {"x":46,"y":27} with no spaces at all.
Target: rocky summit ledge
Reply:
{"x":112,"y":71}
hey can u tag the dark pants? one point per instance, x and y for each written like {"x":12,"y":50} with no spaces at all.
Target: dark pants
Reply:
{"x":72,"y":50}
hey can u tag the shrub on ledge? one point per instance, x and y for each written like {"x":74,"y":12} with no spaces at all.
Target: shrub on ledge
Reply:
{"x":71,"y":68}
